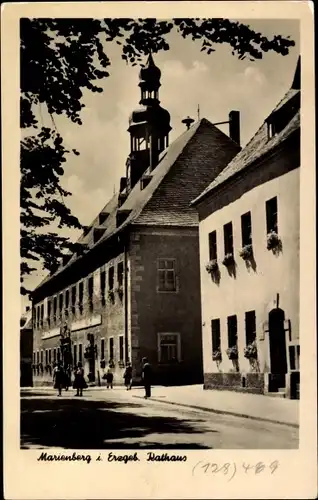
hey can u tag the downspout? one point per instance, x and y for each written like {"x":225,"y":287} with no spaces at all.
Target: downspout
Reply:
{"x":126,"y":298}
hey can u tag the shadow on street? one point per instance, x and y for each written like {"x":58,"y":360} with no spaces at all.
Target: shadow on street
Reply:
{"x":87,"y":424}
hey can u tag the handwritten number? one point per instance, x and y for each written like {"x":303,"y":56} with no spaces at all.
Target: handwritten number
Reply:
{"x":259,"y":467}
{"x":274,"y":466}
{"x":206,"y":467}
{"x":246,"y":467}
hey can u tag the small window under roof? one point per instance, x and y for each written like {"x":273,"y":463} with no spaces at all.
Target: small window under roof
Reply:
{"x":98,"y":233}
{"x":102,"y":217}
{"x":144,"y":181}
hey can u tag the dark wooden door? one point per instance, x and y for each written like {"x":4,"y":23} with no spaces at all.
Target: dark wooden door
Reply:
{"x":277,"y":341}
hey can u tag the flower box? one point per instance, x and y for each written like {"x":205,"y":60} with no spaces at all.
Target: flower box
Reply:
{"x":273,"y":240}
{"x":212,"y":266}
{"x":246,"y":252}
{"x":111,"y":296}
{"x":120,"y":292}
{"x":232,"y":352}
{"x":250,"y":351}
{"x":228,"y":260}
{"x":217,"y":356}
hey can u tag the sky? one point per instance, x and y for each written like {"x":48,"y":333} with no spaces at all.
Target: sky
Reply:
{"x":218,"y":83}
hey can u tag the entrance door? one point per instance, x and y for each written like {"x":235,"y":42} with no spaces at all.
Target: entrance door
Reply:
{"x":277,"y":341}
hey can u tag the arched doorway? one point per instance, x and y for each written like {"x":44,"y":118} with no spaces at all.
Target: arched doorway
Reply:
{"x":277,"y":341}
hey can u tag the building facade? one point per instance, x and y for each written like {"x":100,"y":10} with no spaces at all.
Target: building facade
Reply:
{"x":132,"y":289}
{"x":249,"y":261}
{"x":26,"y":349}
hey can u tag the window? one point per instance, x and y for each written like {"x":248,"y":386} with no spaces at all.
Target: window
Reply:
{"x":169,"y":348}
{"x":54,"y":308}
{"x":111,"y":348}
{"x":102,"y":287}
{"x":54,"y":355}
{"x":246,"y":227}
{"x":41,"y":356}
{"x":50,"y":356}
{"x":111,"y":278}
{"x":61,"y":304}
{"x":228,"y":238}
{"x":67,"y":301}
{"x":102,"y":348}
{"x":271,"y":215}
{"x":80,"y":353}
{"x":166,"y":275}
{"x":37,"y":357}
{"x":216,"y":334}
{"x":121,"y":348}
{"x":80,"y":296}
{"x":250,"y":327}
{"x":58,"y":354}
{"x":73,"y":298}
{"x":49,"y":312}
{"x":212,"y":246}
{"x":46,"y":357}
{"x":120,"y":273}
{"x":74,"y":354}
{"x":42,"y":315}
{"x":90,"y":292}
{"x":232,"y":330}
{"x":34,"y":357}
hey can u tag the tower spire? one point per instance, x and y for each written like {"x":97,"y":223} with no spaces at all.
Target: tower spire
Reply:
{"x":149,"y":125}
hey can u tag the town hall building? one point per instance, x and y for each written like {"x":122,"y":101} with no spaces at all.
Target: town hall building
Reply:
{"x":132,"y":289}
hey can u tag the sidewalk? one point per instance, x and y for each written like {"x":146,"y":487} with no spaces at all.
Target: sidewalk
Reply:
{"x":254,"y":406}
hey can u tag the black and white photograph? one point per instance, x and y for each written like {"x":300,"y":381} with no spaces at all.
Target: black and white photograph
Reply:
{"x":160,"y":214}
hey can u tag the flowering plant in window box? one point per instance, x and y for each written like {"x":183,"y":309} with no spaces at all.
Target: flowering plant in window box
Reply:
{"x":217,"y":355}
{"x":111,"y":296}
{"x":273,"y":240}
{"x":250,"y":351}
{"x":102,"y":363}
{"x":212,"y":266}
{"x":228,"y":260}
{"x":232,"y":352}
{"x":246,"y":252}
{"x":120,"y":291}
{"x":121,"y":364}
{"x":111,"y":363}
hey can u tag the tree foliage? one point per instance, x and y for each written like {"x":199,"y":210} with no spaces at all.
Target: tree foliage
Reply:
{"x":60,"y":58}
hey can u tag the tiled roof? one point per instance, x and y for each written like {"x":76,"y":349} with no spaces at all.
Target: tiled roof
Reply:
{"x":258,"y":146}
{"x":184,"y":169}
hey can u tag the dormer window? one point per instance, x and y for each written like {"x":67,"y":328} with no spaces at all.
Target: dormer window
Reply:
{"x":121,"y":216}
{"x":102,"y":217}
{"x":280,"y":118}
{"x":144,"y":181}
{"x":98,"y":233}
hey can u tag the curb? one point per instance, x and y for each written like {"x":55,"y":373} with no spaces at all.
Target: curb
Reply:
{"x":223,"y":412}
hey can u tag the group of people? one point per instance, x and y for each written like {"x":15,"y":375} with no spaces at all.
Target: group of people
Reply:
{"x":62,"y":378}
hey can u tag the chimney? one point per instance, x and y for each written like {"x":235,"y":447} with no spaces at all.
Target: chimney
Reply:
{"x":234,"y":126}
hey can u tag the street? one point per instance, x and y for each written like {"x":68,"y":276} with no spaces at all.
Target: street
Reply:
{"x":119,"y":419}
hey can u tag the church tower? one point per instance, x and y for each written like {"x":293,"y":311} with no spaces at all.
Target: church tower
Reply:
{"x":149,"y":126}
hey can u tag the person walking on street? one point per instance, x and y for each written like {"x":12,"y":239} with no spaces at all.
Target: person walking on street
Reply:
{"x":109,"y":378}
{"x":79,"y":381}
{"x":146,"y":376}
{"x":128,"y":376}
{"x":58,"y":378}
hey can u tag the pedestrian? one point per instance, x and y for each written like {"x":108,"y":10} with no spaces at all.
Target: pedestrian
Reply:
{"x":146,"y":377}
{"x":58,"y":378}
{"x":67,"y":377}
{"x":128,"y":376}
{"x":79,"y":380}
{"x":109,"y":378}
